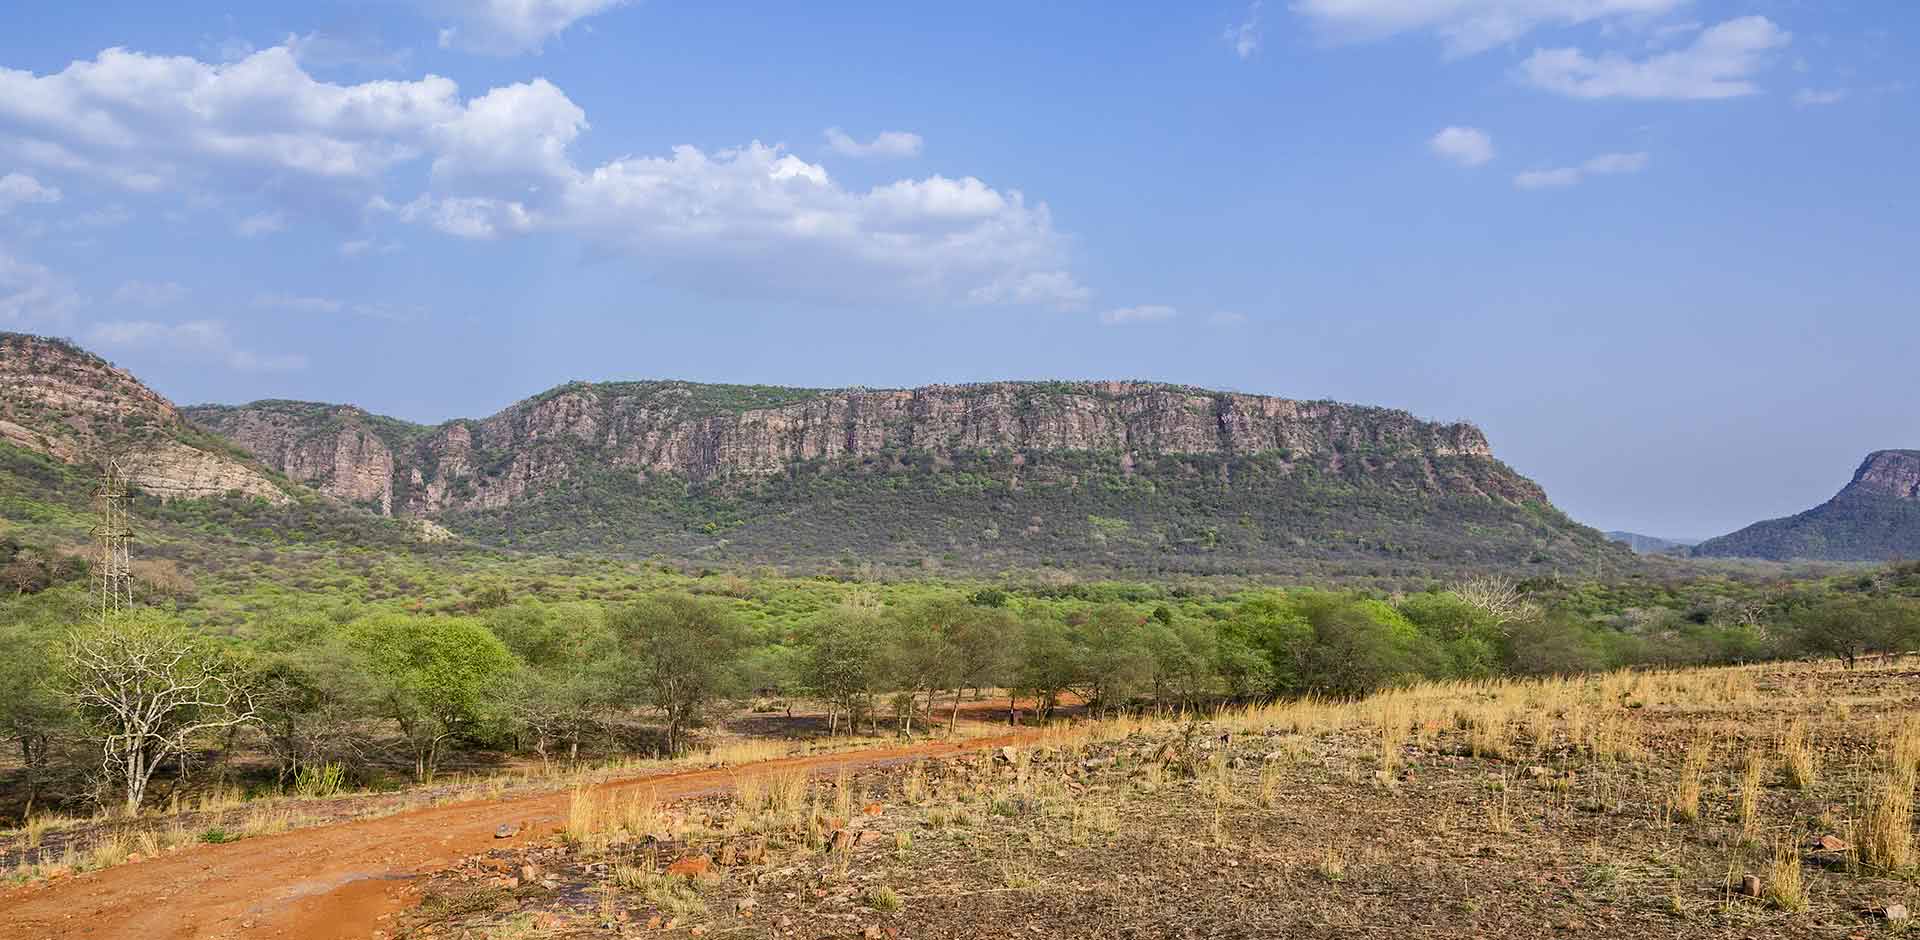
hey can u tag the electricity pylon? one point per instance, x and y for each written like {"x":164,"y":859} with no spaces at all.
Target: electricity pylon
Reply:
{"x":112,"y":536}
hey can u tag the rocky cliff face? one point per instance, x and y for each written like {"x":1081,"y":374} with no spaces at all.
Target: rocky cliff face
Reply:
{"x":713,"y":435}
{"x":73,"y":406}
{"x":1876,"y":517}
{"x":1890,"y":473}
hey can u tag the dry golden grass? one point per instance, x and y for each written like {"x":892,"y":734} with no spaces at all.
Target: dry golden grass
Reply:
{"x":1683,"y":804}
{"x":1883,"y":834}
{"x":1786,"y":886}
{"x":1753,"y":771}
{"x":1798,"y":756}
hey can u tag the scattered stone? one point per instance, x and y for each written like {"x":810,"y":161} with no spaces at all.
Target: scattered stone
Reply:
{"x":1832,"y":843}
{"x":654,"y":922}
{"x":756,"y":853}
{"x":1537,"y":772}
{"x":842,"y":841}
{"x":529,"y":873}
{"x":1895,"y":913}
{"x":868,"y":837}
{"x":871,"y":809}
{"x":1750,"y":885}
{"x":693,"y":866}
{"x":506,"y":831}
{"x":1006,"y":754}
{"x":872,"y":932}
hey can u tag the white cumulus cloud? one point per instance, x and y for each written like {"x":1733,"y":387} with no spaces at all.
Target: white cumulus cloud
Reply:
{"x":1465,"y":27}
{"x":1721,"y":62}
{"x":753,"y":219}
{"x":1606,"y":164}
{"x":20,"y":189}
{"x":1145,"y":313}
{"x":1467,"y":146}
{"x":206,"y":339}
{"x":510,"y":27}
{"x":885,"y":144}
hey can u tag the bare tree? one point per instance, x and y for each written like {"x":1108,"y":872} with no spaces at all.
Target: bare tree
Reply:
{"x":1498,"y":597}
{"x":149,"y":688}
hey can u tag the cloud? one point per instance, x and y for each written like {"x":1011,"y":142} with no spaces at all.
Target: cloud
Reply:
{"x":1227,"y":318}
{"x":1719,"y":63}
{"x":199,"y":338}
{"x":294,"y":303}
{"x":1814,"y":97}
{"x":1466,"y":146}
{"x":1245,"y":38}
{"x":33,"y":295}
{"x":261,"y":223}
{"x":1146,"y":313}
{"x":360,"y":247}
{"x":1465,"y":27}
{"x":1606,"y":164}
{"x":748,"y":220}
{"x":887,"y":144}
{"x":149,"y":294}
{"x":328,"y":306}
{"x":20,"y":189}
{"x":510,"y":27}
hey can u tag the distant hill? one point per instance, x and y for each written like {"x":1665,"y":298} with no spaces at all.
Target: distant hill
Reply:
{"x":62,"y":402}
{"x":1113,"y":476}
{"x":1651,"y":545}
{"x":1876,"y":517}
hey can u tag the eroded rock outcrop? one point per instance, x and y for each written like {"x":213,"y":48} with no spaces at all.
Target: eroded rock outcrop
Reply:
{"x":59,"y":400}
{"x":708,"y":433}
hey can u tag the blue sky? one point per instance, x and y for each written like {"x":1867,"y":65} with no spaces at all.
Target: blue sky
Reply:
{"x":1661,"y":250}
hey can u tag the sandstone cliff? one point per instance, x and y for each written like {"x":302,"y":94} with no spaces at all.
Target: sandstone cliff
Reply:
{"x":713,"y":434}
{"x":73,"y":406}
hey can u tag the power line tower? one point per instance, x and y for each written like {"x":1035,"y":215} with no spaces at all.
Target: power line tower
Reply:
{"x":112,"y":537}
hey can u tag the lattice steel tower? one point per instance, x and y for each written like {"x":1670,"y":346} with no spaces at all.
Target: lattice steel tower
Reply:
{"x":112,"y":566}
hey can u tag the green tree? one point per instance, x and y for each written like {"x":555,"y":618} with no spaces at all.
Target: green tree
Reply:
{"x":437,"y":678}
{"x":1048,"y":665}
{"x":570,"y":680}
{"x":846,"y":663}
{"x":683,"y":654}
{"x":1849,"y":628}
{"x":1271,"y":624}
{"x":33,"y":712}
{"x":984,"y":645}
{"x":1114,"y":661}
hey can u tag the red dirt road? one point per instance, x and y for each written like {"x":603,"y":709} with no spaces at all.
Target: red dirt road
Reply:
{"x":335,"y":882}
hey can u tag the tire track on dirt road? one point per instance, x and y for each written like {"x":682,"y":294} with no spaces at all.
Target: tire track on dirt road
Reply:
{"x":336,"y":882}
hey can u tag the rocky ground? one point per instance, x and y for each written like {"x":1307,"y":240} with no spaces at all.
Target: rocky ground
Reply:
{"x":1478,"y":817}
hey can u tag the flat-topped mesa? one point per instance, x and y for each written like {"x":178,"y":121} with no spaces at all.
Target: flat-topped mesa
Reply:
{"x":1894,"y":473}
{"x":709,"y":433}
{"x":663,"y":431}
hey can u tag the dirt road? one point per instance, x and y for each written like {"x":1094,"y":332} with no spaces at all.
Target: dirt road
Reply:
{"x":335,"y":882}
